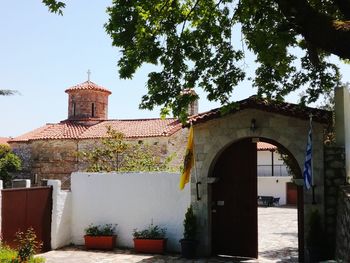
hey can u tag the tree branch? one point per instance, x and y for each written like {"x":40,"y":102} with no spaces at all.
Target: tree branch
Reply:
{"x":318,"y":29}
{"x":344,"y":7}
{"x":187,"y":16}
{"x":6,"y":92}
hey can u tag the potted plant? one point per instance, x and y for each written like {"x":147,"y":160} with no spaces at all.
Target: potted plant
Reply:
{"x":150,"y":240}
{"x":100,"y":237}
{"x":189,"y":242}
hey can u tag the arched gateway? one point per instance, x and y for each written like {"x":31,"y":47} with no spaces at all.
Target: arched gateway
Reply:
{"x":225,"y":154}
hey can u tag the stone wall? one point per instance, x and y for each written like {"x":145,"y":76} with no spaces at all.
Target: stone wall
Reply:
{"x":335,"y":177}
{"x":24,"y":151}
{"x":57,"y":159}
{"x":213,"y":136}
{"x":343,"y":222}
{"x":80,"y":104}
{"x":48,"y":159}
{"x":163,"y":147}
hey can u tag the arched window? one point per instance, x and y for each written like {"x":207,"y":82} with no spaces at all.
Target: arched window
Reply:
{"x":73,"y":109}
{"x":93,"y":110}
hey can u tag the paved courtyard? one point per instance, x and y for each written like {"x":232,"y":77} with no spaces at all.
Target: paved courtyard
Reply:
{"x":278,"y":242}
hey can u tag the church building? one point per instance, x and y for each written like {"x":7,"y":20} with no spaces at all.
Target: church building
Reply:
{"x":50,"y":152}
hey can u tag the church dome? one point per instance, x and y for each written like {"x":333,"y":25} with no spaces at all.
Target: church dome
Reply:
{"x":87,"y":101}
{"x":87,"y":85}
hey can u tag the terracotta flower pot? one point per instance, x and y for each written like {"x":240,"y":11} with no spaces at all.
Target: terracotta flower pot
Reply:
{"x":100,"y":242}
{"x":157,"y":246}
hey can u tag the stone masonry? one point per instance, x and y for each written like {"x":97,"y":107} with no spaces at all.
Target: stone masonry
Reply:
{"x":343,"y":222}
{"x":51,"y":151}
{"x":90,"y":102}
{"x":334,"y":179}
{"x":213,"y":136}
{"x":57,"y":159}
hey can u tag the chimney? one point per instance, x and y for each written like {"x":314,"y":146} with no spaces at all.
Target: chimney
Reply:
{"x":193,"y":107}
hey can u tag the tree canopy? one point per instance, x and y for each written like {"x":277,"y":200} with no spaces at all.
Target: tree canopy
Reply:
{"x":9,"y":163}
{"x":114,"y":153}
{"x":55,"y":6}
{"x":6,"y":92}
{"x":196,"y":45}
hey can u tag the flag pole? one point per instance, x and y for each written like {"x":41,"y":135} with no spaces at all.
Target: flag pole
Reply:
{"x":312,"y":161}
{"x":312,"y":167}
{"x":195,"y":170}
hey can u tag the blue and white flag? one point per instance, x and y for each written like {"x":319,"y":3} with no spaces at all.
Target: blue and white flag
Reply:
{"x":308,"y":161}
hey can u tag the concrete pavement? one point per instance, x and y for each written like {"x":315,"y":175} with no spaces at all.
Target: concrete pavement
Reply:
{"x":278,"y":242}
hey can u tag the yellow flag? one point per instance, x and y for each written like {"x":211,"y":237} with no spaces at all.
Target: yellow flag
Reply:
{"x":188,"y":162}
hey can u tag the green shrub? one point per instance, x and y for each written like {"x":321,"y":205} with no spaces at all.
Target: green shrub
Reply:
{"x":8,"y":255}
{"x":190,"y":224}
{"x":9,"y":163}
{"x":151,"y":232}
{"x":116,"y":154}
{"x":100,"y":230}
{"x":27,"y":244}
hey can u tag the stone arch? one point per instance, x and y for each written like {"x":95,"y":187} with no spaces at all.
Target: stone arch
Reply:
{"x":263,"y":139}
{"x":212,"y":136}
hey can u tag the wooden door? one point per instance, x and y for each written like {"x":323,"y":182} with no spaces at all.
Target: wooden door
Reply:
{"x":234,"y":202}
{"x":292,"y":194}
{"x":27,"y":207}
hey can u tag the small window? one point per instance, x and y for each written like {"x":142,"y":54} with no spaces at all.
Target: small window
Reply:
{"x":93,"y":110}
{"x":73,"y":109}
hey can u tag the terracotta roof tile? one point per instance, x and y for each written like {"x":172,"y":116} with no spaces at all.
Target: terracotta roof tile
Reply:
{"x":4,"y":140}
{"x":140,"y":128}
{"x":130,"y":128}
{"x":264,"y":146}
{"x":135,"y":128}
{"x":88,"y":85}
{"x":283,"y":108}
{"x":63,"y":130}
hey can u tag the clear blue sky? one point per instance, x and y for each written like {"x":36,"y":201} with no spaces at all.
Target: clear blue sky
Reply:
{"x":42,"y":54}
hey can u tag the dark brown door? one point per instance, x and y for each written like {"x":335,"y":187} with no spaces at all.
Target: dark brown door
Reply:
{"x":27,"y":207}
{"x":234,"y":202}
{"x":292,"y":194}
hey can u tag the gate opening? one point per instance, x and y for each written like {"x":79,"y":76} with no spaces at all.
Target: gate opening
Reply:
{"x":254,"y":192}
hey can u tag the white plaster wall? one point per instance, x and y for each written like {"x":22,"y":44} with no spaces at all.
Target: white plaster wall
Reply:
{"x":342,"y":123}
{"x":275,"y":186}
{"x":264,"y":157}
{"x":131,"y":200}
{"x":1,"y":187}
{"x":61,"y":215}
{"x":347,"y":132}
{"x":264,"y":163}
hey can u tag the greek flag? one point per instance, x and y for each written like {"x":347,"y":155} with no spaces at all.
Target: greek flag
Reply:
{"x":308,"y":161}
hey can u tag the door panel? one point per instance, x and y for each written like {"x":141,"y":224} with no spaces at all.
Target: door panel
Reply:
{"x":27,"y":207}
{"x":234,"y":207}
{"x":292,"y":194}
